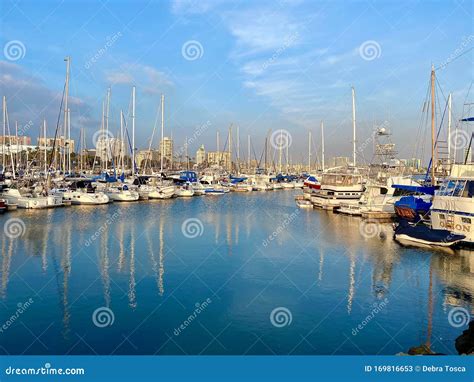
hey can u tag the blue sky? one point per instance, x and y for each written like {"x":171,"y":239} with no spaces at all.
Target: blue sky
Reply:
{"x":260,"y":65}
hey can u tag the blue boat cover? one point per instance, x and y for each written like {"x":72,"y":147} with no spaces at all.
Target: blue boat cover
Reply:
{"x":423,"y":232}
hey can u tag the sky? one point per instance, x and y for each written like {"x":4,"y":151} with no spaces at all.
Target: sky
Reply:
{"x":259,"y":66}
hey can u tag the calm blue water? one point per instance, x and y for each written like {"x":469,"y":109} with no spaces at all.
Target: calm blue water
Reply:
{"x":320,"y":273}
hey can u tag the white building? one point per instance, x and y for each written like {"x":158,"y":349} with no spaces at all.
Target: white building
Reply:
{"x":166,"y":147}
{"x":200,"y":155}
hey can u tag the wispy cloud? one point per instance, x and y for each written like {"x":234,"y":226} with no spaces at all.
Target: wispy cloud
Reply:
{"x":30,"y":99}
{"x":151,"y":80}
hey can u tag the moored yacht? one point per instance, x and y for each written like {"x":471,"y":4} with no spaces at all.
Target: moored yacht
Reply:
{"x":82,"y":192}
{"x":336,"y":189}
{"x":378,"y":200}
{"x":453,"y":206}
{"x":184,"y":191}
{"x":24,"y":199}
{"x":121,"y":193}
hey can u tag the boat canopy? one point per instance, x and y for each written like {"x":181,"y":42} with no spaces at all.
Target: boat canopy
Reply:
{"x":235,"y":180}
{"x":188,"y":176}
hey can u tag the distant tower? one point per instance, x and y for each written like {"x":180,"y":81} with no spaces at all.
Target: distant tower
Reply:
{"x":200,"y":155}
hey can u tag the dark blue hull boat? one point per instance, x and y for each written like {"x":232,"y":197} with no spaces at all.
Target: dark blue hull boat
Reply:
{"x":422,"y":234}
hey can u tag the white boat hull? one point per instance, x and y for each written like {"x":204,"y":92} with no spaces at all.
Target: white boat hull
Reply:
{"x":166,"y":192}
{"x":86,"y":198}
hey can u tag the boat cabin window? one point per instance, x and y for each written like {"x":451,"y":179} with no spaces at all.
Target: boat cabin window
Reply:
{"x":459,"y":188}
{"x":441,"y":216}
{"x":383,"y":191}
{"x":469,"y":189}
{"x":447,"y":188}
{"x":466,"y":220}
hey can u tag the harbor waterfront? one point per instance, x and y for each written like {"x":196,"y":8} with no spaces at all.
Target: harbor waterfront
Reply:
{"x":242,"y":273}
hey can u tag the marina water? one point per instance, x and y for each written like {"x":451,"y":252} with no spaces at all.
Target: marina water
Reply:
{"x":244,"y":273}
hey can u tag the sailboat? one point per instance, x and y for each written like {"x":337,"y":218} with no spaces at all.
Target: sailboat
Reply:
{"x":82,"y":192}
{"x":451,"y":210}
{"x":23,"y":199}
{"x":339,"y":188}
{"x":185,"y":190}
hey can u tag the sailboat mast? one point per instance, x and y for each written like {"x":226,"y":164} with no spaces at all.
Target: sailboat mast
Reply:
{"x":186,"y":152}
{"x":66,"y":103}
{"x":353,"y":129}
{"x":107,"y":130}
{"x":287,"y":153}
{"x":280,"y":150}
{"x":238,"y":148}
{"x":433,"y":136}
{"x":102,"y":136}
{"x":449,"y":127}
{"x":16,"y":146}
{"x":121,"y":141}
{"x":230,"y":148}
{"x":69,"y":140}
{"x":4,"y":107}
{"x":162,"y":132}
{"x":133,"y":130}
{"x":322,"y":144}
{"x":44,"y":146}
{"x":81,"y":139}
{"x":248,"y":151}
{"x":309,"y":151}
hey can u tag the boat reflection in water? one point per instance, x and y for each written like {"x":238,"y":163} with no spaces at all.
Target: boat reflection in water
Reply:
{"x":248,"y":254}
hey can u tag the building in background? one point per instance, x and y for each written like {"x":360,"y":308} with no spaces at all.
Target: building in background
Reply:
{"x":200,"y":156}
{"x":14,"y":140}
{"x":60,"y":143}
{"x":109,"y":147}
{"x":148,"y":158}
{"x":166,"y":147}
{"x":220,"y":158}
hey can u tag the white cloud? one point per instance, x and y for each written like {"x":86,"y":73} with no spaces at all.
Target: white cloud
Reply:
{"x":194,"y":6}
{"x":151,"y":80}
